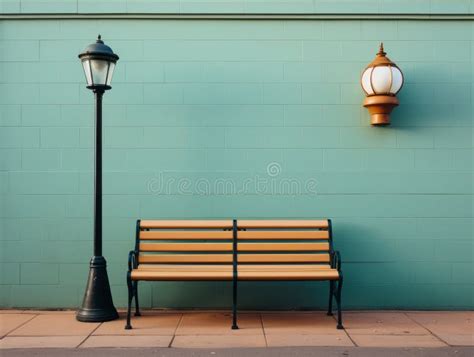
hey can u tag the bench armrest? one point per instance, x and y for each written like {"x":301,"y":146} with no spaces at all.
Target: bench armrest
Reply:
{"x":132,"y":260}
{"x":336,"y":260}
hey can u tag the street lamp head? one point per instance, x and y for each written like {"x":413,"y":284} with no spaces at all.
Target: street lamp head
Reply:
{"x":381,"y":81}
{"x":98,"y":61}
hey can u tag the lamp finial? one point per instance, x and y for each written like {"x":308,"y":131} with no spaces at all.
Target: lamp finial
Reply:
{"x":381,"y":51}
{"x":99,"y":39}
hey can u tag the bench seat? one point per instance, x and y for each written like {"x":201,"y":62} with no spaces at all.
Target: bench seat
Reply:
{"x":162,"y":272}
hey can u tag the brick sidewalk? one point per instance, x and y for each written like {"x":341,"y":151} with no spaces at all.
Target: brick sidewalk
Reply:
{"x":38,"y":329}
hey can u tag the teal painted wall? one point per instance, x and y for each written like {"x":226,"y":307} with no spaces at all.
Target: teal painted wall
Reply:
{"x":213,"y":104}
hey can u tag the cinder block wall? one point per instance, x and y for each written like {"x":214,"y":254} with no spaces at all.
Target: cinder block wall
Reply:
{"x":238,"y":118}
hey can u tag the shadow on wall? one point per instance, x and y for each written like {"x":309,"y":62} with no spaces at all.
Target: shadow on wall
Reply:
{"x":434,"y":95}
{"x":262,"y":295}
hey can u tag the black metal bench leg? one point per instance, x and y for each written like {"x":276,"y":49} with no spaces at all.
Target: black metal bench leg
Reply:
{"x":128,"y":326}
{"x":339,"y":307}
{"x":331,"y":293}
{"x":234,"y":305}
{"x":137,"y":306}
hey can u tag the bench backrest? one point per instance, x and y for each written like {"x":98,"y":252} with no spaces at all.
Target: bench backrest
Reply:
{"x":284,"y":241}
{"x":185,"y":241}
{"x":213,"y":241}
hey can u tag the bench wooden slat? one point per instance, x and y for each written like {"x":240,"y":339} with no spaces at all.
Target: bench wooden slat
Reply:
{"x":185,"y":247}
{"x":289,"y":275}
{"x":283,"y":235}
{"x":228,"y":267}
{"x":321,"y":224}
{"x":294,"y":247}
{"x":283,"y":267}
{"x":184,"y":258}
{"x":181,"y":276}
{"x":220,"y":247}
{"x":330,"y":274}
{"x":177,"y":235}
{"x":170,"y":224}
{"x":283,"y":258}
{"x":227,"y":258}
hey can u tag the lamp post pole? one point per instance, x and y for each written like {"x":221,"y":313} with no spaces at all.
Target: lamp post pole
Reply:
{"x":98,"y":61}
{"x":98,"y":93}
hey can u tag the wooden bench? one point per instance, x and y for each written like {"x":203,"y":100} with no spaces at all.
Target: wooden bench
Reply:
{"x":234,"y":250}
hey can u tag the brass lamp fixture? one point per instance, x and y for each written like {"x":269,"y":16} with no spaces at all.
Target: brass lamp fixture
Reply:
{"x":381,"y":81}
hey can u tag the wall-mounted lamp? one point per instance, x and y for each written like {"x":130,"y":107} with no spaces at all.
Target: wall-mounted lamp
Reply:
{"x":381,"y":81}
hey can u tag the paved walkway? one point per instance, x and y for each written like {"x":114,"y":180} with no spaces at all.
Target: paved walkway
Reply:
{"x":59,"y":329}
{"x":247,"y":352}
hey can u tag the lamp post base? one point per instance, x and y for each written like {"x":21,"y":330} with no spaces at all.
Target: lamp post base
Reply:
{"x":97,"y":305}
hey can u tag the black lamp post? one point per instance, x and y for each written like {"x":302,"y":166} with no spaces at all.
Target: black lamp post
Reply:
{"x":98,"y":61}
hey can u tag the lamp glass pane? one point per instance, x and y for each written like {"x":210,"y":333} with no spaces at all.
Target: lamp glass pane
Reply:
{"x":111,"y":73}
{"x":381,"y":80}
{"x":397,"y":81}
{"x":87,"y":71}
{"x":365,"y":81}
{"x":99,"y":71}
